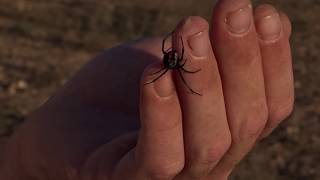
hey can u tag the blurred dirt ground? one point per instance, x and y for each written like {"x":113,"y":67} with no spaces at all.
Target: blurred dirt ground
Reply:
{"x":43,"y":42}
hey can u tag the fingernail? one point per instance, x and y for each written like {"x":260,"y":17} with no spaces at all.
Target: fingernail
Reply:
{"x":164,"y":86}
{"x":269,"y":27}
{"x":199,"y":43}
{"x":239,"y":21}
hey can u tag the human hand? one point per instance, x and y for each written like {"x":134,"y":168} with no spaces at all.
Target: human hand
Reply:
{"x":246,"y":84}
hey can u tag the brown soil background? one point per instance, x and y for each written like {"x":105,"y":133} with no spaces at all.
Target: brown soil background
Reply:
{"x":43,"y":42}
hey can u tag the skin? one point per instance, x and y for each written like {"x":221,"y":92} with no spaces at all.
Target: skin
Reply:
{"x":106,"y":124}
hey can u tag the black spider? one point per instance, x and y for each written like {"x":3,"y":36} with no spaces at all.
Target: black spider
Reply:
{"x":172,"y":61}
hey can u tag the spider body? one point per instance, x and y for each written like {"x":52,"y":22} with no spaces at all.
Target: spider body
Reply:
{"x":172,"y":61}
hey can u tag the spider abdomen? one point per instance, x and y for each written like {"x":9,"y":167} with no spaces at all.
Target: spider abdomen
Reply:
{"x":171,"y":60}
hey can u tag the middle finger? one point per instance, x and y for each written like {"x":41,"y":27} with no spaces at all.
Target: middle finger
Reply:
{"x":235,"y":43}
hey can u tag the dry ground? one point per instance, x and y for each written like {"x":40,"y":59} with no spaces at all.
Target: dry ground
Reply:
{"x":43,"y":42}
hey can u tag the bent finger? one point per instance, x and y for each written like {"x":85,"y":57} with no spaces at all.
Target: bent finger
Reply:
{"x":160,"y":146}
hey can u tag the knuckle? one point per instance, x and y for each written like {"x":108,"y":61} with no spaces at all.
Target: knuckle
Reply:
{"x":201,"y":161}
{"x":164,"y":170}
{"x":244,"y":59}
{"x":253,"y":122}
{"x":218,"y":150}
{"x":279,"y":112}
{"x":210,"y":155}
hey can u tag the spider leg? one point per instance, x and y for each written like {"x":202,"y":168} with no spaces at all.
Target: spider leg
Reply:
{"x":185,"y":83}
{"x":185,"y":70}
{"x":164,"y":42}
{"x":168,"y":50}
{"x":182,"y":51}
{"x":157,"y":77}
{"x":158,"y":71}
{"x":180,"y":66}
{"x":182,"y":56}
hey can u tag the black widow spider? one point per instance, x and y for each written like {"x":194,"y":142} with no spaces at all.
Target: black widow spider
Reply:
{"x":172,"y":61}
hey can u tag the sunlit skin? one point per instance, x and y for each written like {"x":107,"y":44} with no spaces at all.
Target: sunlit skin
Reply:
{"x":103,"y":124}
